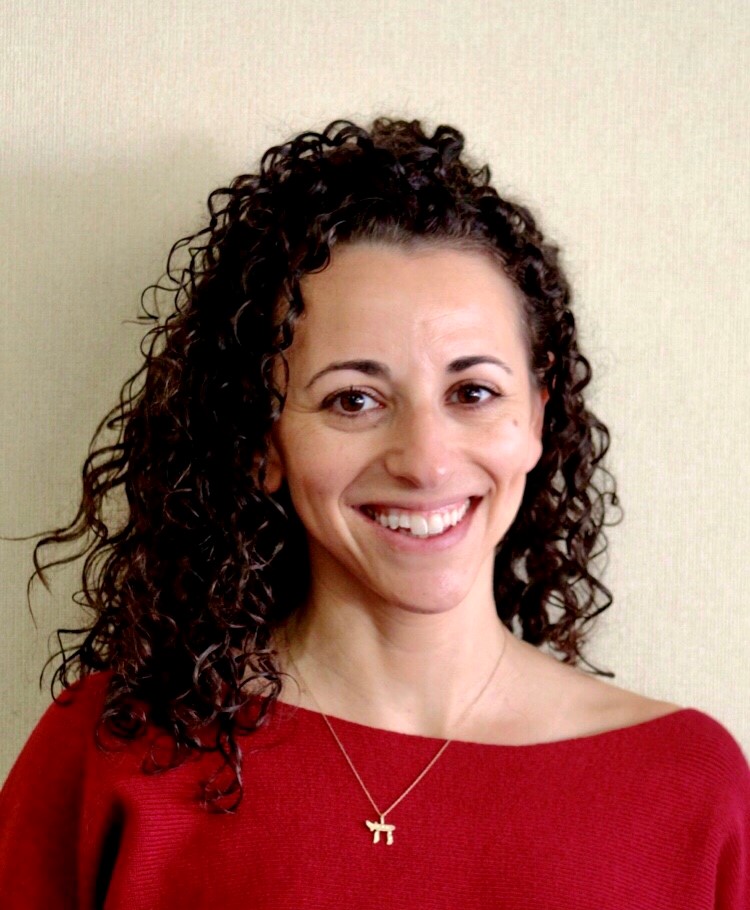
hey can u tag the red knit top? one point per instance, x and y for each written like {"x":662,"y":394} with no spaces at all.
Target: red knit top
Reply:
{"x":651,"y":816}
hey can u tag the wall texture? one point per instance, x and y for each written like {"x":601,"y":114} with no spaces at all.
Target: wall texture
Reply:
{"x":623,"y":124}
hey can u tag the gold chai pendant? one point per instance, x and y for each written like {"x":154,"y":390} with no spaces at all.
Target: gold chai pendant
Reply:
{"x":377,"y":827}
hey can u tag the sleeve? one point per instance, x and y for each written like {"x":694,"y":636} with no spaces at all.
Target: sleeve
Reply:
{"x":733,"y":867}
{"x":732,"y":816}
{"x":41,"y":805}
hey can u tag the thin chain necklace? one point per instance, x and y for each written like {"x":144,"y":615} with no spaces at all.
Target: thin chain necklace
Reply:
{"x":381,"y":827}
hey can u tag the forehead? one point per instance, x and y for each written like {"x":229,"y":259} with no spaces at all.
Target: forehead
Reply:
{"x":378,"y":299}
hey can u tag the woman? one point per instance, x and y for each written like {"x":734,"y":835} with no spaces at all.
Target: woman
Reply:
{"x":346,"y":528}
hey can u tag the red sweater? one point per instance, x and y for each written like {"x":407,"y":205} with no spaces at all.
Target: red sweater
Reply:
{"x":652,"y":816}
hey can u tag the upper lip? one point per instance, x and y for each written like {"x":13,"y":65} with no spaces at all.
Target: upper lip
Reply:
{"x":454,"y":502}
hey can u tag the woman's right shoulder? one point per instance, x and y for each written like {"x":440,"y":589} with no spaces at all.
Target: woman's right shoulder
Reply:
{"x":84,"y":690}
{"x":55,"y":793}
{"x":80,"y":701}
{"x":62,"y":734}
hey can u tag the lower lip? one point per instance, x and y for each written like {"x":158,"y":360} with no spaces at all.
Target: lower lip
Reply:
{"x":407,"y":543}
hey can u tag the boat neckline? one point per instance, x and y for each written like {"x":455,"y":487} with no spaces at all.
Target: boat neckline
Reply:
{"x":640,"y":726}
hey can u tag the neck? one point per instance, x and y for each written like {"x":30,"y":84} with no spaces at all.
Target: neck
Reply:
{"x":426,"y":674}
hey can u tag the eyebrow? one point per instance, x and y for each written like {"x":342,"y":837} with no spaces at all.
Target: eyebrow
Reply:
{"x":380,"y":370}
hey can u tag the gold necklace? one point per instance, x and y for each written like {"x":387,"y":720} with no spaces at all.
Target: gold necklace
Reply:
{"x":381,"y":827}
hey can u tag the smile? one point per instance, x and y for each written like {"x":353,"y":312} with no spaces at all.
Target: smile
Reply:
{"x":418,"y":524}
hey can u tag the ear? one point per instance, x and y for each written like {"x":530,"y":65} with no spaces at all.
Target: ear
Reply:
{"x":274,"y":474}
{"x":540,"y":401}
{"x":540,"y":397}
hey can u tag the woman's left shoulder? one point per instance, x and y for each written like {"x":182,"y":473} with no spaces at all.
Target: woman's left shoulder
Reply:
{"x":688,"y":734}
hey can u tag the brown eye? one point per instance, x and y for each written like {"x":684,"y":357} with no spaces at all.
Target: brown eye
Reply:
{"x":350,"y":402}
{"x":473,"y":394}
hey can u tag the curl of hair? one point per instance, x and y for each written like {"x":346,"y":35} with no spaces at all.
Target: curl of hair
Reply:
{"x":188,"y":565}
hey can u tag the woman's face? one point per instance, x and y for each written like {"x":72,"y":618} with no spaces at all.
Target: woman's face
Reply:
{"x":410,"y":424}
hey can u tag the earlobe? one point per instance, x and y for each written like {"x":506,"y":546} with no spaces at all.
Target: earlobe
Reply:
{"x":535,"y":453}
{"x":537,"y":428}
{"x":274,"y":472}
{"x":539,"y":408}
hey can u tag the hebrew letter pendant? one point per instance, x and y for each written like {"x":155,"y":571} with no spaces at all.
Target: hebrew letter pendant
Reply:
{"x":377,"y":827}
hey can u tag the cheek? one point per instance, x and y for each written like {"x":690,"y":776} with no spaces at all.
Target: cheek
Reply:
{"x":310,"y":489}
{"x":513,"y":447}
{"x":315,"y":478}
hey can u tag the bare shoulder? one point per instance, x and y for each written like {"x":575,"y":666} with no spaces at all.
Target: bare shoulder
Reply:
{"x":568,"y":702}
{"x":593,"y":705}
{"x":623,"y":708}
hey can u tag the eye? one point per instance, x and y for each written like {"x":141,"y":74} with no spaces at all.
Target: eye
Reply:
{"x":350,"y":402}
{"x":472,"y":394}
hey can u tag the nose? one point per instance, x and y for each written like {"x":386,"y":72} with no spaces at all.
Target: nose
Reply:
{"x":420,"y":449}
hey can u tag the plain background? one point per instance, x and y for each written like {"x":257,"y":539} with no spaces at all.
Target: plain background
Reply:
{"x":624,"y":126}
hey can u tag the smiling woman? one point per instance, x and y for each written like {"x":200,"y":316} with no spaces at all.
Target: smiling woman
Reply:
{"x":430,"y":410}
{"x":363,"y":498}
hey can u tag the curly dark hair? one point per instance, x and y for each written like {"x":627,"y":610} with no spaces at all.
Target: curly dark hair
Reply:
{"x":188,"y":565}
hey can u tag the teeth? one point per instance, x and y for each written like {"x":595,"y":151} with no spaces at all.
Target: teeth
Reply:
{"x":420,"y":524}
{"x":435,"y":524}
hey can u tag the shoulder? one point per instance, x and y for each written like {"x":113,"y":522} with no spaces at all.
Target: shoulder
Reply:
{"x":692,"y":778}
{"x":569,"y":703}
{"x":79,"y":703}
{"x":691,"y":748}
{"x":613,"y":708}
{"x":47,"y":778}
{"x":711,"y":749}
{"x":87,"y":690}
{"x":62,"y":734}
{"x":584,"y":705}
{"x":607,"y":707}
{"x":683,"y":761}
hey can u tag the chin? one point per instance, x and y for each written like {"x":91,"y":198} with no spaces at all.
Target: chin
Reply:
{"x":425,"y":610}
{"x":428,"y":598}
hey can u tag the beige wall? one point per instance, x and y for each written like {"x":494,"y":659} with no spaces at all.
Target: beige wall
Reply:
{"x":625,"y":124}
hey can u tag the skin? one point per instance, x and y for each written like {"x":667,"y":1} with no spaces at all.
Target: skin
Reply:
{"x":401,"y":632}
